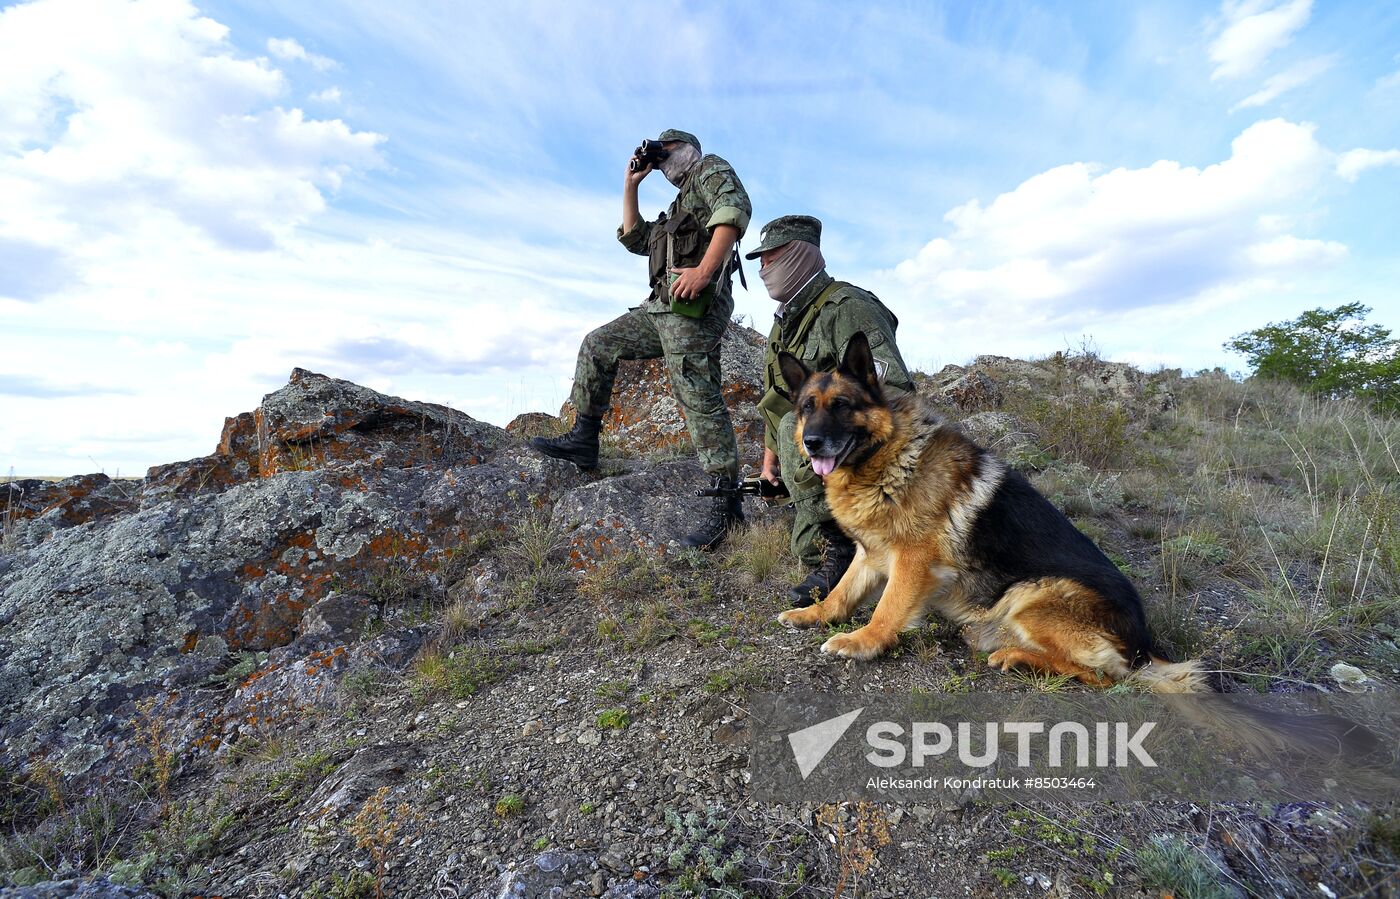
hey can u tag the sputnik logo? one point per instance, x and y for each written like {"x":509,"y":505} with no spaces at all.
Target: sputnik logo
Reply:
{"x":811,"y":744}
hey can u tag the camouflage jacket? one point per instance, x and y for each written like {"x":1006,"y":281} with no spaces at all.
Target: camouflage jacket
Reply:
{"x":818,"y":336}
{"x":711,"y":195}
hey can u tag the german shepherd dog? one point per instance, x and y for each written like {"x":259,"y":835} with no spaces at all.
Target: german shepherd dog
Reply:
{"x":943,"y":525}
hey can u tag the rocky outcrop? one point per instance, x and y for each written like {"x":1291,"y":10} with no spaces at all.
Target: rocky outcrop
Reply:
{"x":982,"y":386}
{"x":321,"y":509}
{"x":65,"y":503}
{"x":644,"y":418}
{"x":315,"y":422}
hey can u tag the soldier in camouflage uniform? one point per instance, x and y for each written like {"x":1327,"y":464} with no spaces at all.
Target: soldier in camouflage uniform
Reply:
{"x":817,"y":315}
{"x":691,"y":253}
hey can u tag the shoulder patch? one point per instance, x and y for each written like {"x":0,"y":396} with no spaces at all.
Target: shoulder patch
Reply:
{"x":848,"y":292}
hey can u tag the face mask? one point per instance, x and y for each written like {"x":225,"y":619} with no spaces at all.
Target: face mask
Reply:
{"x":676,"y":166}
{"x":789,"y":272}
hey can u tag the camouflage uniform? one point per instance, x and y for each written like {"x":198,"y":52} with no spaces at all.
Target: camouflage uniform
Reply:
{"x":686,"y":334}
{"x":815,"y":326}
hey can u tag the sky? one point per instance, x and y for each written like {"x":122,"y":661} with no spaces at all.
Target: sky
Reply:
{"x":422,"y":197}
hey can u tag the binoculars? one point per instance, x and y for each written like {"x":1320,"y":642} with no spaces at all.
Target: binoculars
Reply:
{"x":648,"y":153}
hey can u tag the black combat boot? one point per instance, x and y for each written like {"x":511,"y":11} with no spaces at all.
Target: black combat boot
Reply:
{"x":726,"y":512}
{"x":836,"y":558}
{"x":579,"y":446}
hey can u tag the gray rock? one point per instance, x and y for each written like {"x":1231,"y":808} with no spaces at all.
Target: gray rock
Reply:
{"x":367,"y":770}
{"x":1005,"y":435}
{"x":973,"y":391}
{"x":338,"y":618}
{"x":550,"y":874}
{"x":647,"y":510}
{"x":34,"y":510}
{"x":96,"y":888}
{"x":154,"y":600}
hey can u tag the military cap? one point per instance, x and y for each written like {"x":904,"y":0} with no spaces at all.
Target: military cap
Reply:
{"x":786,"y":229}
{"x":677,"y":134}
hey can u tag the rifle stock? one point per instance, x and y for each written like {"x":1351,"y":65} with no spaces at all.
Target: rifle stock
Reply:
{"x":749,"y":487}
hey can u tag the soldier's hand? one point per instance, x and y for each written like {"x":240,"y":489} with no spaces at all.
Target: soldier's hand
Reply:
{"x":631,"y":178}
{"x":770,"y":467}
{"x":689,"y":282}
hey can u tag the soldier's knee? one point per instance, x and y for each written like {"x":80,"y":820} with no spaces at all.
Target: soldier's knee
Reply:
{"x":595,"y":344}
{"x":693,"y":384}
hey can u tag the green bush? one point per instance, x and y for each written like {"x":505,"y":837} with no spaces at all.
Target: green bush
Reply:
{"x":1329,"y":352}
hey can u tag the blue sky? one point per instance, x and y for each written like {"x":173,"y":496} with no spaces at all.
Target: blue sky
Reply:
{"x":422,"y":197}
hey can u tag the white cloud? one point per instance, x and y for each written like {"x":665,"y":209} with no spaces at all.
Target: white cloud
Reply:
{"x":1352,"y":163}
{"x":289,"y":49}
{"x":329,"y":95}
{"x":113,"y":113}
{"x":1282,"y":252}
{"x":1293,"y":77}
{"x":1253,"y":29}
{"x":1076,"y":241}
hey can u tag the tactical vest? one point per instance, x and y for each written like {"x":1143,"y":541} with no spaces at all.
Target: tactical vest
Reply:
{"x":775,"y":402}
{"x":678,"y":240}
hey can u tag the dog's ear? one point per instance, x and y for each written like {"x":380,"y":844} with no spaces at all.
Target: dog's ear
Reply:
{"x":794,"y":372}
{"x":859,"y":362}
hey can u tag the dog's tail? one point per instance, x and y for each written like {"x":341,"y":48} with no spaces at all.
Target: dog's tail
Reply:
{"x":1263,"y":730}
{"x":1162,"y":676}
{"x":1276,"y":733}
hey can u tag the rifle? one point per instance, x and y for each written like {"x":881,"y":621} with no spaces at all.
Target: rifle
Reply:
{"x":749,"y":487}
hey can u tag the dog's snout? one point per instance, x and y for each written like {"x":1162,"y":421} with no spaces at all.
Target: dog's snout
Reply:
{"x":813,"y":442}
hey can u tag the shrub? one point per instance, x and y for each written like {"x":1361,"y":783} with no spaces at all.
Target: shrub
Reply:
{"x":1171,"y":865}
{"x":1327,"y":351}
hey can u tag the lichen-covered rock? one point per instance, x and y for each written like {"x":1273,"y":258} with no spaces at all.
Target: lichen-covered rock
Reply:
{"x":338,"y":618}
{"x":973,"y":391}
{"x":1006,"y":436}
{"x":1128,"y":383}
{"x":34,"y":509}
{"x":318,"y":421}
{"x":644,"y":416}
{"x":647,"y":510}
{"x":153,"y":601}
{"x":534,"y":424}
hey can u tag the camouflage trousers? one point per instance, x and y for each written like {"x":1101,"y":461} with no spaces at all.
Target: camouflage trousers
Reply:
{"x":690,"y":347}
{"x":808,"y":494}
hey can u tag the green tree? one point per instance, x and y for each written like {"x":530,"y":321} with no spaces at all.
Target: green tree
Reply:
{"x":1332,"y":352}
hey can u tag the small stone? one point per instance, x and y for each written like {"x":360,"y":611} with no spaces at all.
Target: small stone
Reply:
{"x":1349,"y":677}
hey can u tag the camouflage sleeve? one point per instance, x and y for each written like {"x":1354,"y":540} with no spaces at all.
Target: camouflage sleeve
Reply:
{"x":724,"y":194}
{"x":862,"y":312}
{"x":637,"y":239}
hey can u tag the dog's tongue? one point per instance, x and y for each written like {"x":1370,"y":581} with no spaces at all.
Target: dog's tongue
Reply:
{"x":823,"y":465}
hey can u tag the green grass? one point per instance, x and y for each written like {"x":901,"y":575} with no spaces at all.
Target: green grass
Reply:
{"x":613,"y":719}
{"x":1172,"y":866}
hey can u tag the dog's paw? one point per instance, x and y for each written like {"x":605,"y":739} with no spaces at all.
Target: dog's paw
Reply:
{"x":859,"y":644}
{"x":810,"y":616}
{"x":1008,"y":658}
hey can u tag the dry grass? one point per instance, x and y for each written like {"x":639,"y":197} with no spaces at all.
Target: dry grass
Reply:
{"x":761,"y":551}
